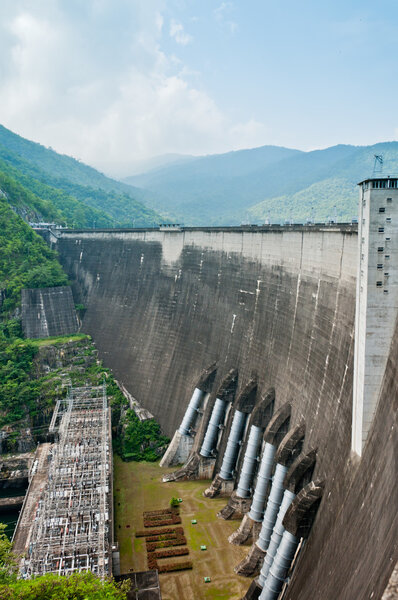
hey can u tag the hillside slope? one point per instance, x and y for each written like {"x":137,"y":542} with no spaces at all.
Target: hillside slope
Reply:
{"x":268,"y":182}
{"x":78,"y":194}
{"x":36,"y":201}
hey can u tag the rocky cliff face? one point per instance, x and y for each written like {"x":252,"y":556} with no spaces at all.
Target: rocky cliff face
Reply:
{"x":14,"y":470}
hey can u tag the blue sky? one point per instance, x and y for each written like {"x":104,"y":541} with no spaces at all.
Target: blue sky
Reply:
{"x":114,"y":81}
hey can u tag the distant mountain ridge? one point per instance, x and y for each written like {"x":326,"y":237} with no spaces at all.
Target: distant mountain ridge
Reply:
{"x":263,"y":183}
{"x":139,"y":167}
{"x":269,"y":183}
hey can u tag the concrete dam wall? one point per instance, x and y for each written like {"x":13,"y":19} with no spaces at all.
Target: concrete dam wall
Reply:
{"x":48,"y":312}
{"x":278,"y":305}
{"x":164,"y":306}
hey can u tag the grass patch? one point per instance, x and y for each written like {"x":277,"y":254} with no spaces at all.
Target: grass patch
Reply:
{"x":215,"y":593}
{"x":139,"y":545}
{"x":61,"y":339}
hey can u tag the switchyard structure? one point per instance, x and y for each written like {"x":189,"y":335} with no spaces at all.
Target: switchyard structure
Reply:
{"x":72,"y":528}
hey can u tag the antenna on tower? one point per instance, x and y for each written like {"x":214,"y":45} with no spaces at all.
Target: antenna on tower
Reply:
{"x":378,"y":164}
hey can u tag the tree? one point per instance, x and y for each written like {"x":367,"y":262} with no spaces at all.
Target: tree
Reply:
{"x":8,"y":562}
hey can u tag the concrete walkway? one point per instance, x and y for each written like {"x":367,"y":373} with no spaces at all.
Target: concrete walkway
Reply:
{"x":36,"y":486}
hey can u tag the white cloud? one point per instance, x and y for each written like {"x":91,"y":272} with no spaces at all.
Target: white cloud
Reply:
{"x":222,"y":13}
{"x":249,"y":134}
{"x":159,"y":21}
{"x":177,"y":32}
{"x":94,"y":83}
{"x":224,"y":7}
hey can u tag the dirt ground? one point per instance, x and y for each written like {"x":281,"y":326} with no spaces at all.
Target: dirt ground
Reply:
{"x":138,"y":487}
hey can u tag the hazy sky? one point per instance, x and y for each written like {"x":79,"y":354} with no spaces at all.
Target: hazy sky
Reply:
{"x":112,"y":81}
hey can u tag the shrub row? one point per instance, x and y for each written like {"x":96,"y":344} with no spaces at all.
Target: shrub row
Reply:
{"x":168,"y":567}
{"x":156,"y":518}
{"x":152,"y":546}
{"x":152,"y":562}
{"x":173,"y":533}
{"x":158,"y":532}
{"x":183,"y":566}
{"x":173,"y":521}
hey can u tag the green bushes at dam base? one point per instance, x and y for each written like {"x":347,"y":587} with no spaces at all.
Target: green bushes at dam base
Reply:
{"x":78,"y":586}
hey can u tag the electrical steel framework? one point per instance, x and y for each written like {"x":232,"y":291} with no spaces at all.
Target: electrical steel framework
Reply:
{"x":72,"y":527}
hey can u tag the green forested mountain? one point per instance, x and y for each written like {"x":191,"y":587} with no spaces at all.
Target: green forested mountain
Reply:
{"x":268,"y":182}
{"x":61,"y":189}
{"x":36,"y":201}
{"x":59,"y":165}
{"x":321,"y":201}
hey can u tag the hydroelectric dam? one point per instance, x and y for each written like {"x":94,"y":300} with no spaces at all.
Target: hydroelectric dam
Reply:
{"x":241,"y":342}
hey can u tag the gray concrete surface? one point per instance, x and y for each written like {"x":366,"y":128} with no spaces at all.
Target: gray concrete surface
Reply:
{"x":48,"y":312}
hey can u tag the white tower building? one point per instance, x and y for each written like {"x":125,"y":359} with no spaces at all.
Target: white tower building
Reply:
{"x":376,"y":298}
